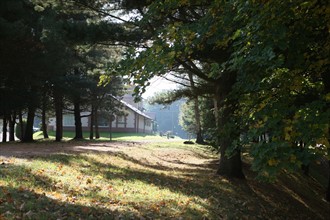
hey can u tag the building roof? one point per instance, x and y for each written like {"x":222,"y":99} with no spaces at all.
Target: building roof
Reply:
{"x":134,"y":109}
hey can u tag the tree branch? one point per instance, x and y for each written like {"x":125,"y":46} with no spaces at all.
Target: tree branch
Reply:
{"x":103,"y":12}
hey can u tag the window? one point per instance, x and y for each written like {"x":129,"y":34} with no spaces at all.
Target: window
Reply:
{"x":121,"y":119}
{"x":68,"y":120}
{"x":103,"y":122}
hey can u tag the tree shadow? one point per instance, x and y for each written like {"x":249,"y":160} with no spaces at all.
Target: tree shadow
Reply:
{"x":297,"y":195}
{"x":27,"y":204}
{"x":220,"y":196}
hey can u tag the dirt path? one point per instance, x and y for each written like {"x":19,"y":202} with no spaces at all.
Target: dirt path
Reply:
{"x":158,"y":157}
{"x":30,"y":149}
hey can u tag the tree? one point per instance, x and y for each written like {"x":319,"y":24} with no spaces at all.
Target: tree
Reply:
{"x":285,"y":46}
{"x":21,"y":57}
{"x":191,"y":37}
{"x":186,"y":117}
{"x":268,"y":72}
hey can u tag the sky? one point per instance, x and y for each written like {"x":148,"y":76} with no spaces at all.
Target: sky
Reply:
{"x":158,"y":84}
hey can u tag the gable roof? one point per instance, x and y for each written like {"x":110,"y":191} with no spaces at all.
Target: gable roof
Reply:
{"x":134,"y":109}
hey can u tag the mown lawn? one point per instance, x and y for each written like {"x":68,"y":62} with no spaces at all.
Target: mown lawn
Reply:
{"x":158,"y":180}
{"x":104,"y":136}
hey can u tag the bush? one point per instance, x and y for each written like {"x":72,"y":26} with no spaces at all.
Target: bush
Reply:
{"x":18,"y":129}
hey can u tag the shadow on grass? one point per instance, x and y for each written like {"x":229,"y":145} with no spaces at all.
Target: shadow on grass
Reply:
{"x":26,"y":204}
{"x":192,"y":186}
{"x":251,"y":198}
{"x":247,"y":198}
{"x":223,"y":198}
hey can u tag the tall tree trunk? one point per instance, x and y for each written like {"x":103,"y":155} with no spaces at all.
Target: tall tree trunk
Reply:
{"x":28,"y":134}
{"x":58,"y":101}
{"x":110,"y":125}
{"x":326,"y":82}
{"x":77,"y":120}
{"x":199,"y":136}
{"x":44,"y":117}
{"x":4,"y":129}
{"x":20,"y":120}
{"x":327,"y":197}
{"x":44,"y":124}
{"x":97,"y":133}
{"x":230,"y":166}
{"x":12,"y":122}
{"x":91,"y":125}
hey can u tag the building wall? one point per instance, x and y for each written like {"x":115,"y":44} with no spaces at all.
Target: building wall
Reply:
{"x":120,"y":124}
{"x":130,"y":119}
{"x":148,"y":126}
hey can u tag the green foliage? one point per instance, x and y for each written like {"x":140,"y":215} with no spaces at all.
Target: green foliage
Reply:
{"x":187,"y":117}
{"x":270,"y":64}
{"x":282,"y":83}
{"x":168,"y":97}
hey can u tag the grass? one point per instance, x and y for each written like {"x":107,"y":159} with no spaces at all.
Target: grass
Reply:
{"x":104,"y":136}
{"x":150,"y":181}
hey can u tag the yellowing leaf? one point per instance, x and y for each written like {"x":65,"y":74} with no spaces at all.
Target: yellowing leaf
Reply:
{"x":99,"y":176}
{"x":293,"y":158}
{"x":40,"y":171}
{"x":327,"y":97}
{"x":273,"y":162}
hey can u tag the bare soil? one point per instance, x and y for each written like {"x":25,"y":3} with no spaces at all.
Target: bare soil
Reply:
{"x":47,"y":148}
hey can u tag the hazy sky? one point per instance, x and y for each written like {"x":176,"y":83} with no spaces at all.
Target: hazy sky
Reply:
{"x":158,"y":84}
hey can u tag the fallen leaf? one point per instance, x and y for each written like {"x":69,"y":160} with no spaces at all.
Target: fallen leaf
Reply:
{"x":89,"y":181}
{"x":22,"y":206}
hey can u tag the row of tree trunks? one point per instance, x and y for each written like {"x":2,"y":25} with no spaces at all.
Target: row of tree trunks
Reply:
{"x":26,"y":131}
{"x":9,"y":120}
